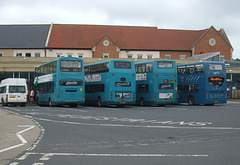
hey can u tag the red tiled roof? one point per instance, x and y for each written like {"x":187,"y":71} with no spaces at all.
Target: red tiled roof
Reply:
{"x":126,"y":37}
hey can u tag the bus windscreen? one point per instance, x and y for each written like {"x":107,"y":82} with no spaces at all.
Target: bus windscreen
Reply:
{"x":165,"y":64}
{"x":122,"y":65}
{"x":71,"y":66}
{"x":215,"y":67}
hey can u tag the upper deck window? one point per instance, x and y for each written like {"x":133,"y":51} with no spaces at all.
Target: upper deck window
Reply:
{"x":122,"y":65}
{"x":215,"y":66}
{"x":71,"y":66}
{"x":165,"y":65}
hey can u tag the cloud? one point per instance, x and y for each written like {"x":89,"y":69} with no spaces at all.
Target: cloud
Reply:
{"x":171,"y":14}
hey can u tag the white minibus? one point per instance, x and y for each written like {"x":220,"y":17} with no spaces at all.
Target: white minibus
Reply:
{"x":13,"y":91}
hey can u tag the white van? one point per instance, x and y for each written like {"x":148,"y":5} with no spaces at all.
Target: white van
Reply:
{"x":13,"y":91}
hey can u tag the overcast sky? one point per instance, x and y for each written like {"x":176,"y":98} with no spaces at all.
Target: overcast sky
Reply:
{"x":170,"y":14}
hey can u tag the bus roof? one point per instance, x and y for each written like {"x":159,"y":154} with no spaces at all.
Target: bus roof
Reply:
{"x":61,"y":58}
{"x":204,"y":62}
{"x":155,"y":61}
{"x":107,"y":61}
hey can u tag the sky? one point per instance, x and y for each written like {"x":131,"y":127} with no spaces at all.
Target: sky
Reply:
{"x":170,"y":14}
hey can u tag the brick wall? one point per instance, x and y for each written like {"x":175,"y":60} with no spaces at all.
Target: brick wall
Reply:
{"x":221,"y":45}
{"x":101,"y":49}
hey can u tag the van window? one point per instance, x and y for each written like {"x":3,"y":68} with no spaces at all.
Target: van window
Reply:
{"x":3,"y":89}
{"x":17,"y":89}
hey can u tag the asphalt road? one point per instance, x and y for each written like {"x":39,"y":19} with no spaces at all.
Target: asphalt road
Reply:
{"x":175,"y":134}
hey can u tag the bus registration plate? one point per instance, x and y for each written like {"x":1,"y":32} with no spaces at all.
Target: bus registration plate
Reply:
{"x":165,"y":95}
{"x":122,"y":102}
{"x":216,"y":101}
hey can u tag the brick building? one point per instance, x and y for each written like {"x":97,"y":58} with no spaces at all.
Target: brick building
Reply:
{"x":99,"y":41}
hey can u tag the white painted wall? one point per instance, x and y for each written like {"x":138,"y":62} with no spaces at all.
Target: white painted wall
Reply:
{"x":66,"y":52}
{"x":135,"y":54}
{"x":32,"y":51}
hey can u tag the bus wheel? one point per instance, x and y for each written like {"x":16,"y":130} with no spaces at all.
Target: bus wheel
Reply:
{"x":49,"y":102}
{"x":141,"y":102}
{"x":191,"y":100}
{"x":99,"y":102}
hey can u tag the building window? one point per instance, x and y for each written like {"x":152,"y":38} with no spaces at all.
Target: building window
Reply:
{"x":105,"y":42}
{"x":149,"y":57}
{"x":70,"y":55}
{"x":18,"y":54}
{"x":130,"y":56}
{"x":139,"y":56}
{"x":37,"y":54}
{"x":1,"y":54}
{"x":28,"y":54}
{"x":168,"y":57}
{"x":105,"y":55}
{"x":182,"y":57}
{"x":80,"y":55}
{"x":212,"y":41}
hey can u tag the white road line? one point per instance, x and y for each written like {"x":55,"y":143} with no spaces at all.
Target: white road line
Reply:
{"x":138,"y":126}
{"x":18,"y":134}
{"x":46,"y":156}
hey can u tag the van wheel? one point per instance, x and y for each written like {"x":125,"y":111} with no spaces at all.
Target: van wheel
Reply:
{"x":141,"y":102}
{"x":191,"y":100}
{"x":99,"y":101}
{"x":4,"y":104}
{"x":49,"y":102}
{"x":22,"y":105}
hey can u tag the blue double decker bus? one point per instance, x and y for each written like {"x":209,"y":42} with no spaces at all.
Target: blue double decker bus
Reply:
{"x":202,"y":83}
{"x":60,"y":82}
{"x":156,"y":82}
{"x":110,"y":83}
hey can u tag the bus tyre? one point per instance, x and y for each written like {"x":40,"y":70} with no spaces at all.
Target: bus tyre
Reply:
{"x":99,"y":102}
{"x":141,"y":102}
{"x":191,"y":100}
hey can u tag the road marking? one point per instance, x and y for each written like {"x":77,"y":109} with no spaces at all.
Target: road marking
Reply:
{"x":138,"y":126}
{"x":14,"y":163}
{"x":18,"y":134}
{"x":47,"y":156}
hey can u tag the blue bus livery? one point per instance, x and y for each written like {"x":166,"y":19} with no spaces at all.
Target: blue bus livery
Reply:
{"x":60,"y":82}
{"x":202,"y":83}
{"x":110,"y":83}
{"x":156,"y":82}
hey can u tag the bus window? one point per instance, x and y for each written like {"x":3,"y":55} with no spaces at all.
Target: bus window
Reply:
{"x":216,"y":81}
{"x":149,"y":67}
{"x":99,"y":68}
{"x":164,"y":64}
{"x":199,"y":68}
{"x":122,"y":65}
{"x":139,"y":68}
{"x":71,"y":66}
{"x":190,"y":69}
{"x":215,"y":67}
{"x":181,"y":70}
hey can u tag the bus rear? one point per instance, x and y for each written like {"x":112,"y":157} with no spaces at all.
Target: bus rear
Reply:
{"x":165,"y":82}
{"x":110,"y":83}
{"x":156,"y":82}
{"x":216,"y":84}
{"x":70,"y":85}
{"x":122,"y":83}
